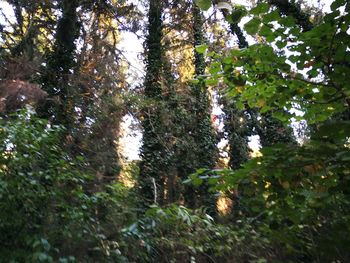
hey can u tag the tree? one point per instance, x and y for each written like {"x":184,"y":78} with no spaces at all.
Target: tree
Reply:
{"x":175,"y":124}
{"x":289,"y":188}
{"x":101,"y":84}
{"x":61,"y":64}
{"x":153,"y":152}
{"x":25,"y":38}
{"x":269,"y":129}
{"x":204,"y":138}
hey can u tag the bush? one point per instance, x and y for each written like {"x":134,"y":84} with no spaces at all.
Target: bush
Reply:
{"x":44,"y":210}
{"x":177,"y":234}
{"x":298,"y":196}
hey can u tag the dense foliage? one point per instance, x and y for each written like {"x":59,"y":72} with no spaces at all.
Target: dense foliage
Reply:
{"x":41,"y":192}
{"x":67,"y":194}
{"x":296,"y":195}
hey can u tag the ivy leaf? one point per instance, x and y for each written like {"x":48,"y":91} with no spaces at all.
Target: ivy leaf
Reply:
{"x":203,"y":4}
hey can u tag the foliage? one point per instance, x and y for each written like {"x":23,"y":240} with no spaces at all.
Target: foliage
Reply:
{"x":295,"y":196}
{"x":176,"y":113}
{"x":153,"y":152}
{"x":298,"y":196}
{"x":292,"y":69}
{"x":203,"y":4}
{"x":204,"y":137}
{"x":42,"y":199}
{"x":59,"y":201}
{"x":47,"y":213}
{"x":176,"y":233}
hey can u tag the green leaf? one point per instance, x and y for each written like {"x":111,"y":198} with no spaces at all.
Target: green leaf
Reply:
{"x":336,"y":4}
{"x":294,"y":31}
{"x":187,"y":181}
{"x":215,"y":68}
{"x":261,"y":8}
{"x":201,"y":48}
{"x":227,"y":60}
{"x":336,"y":130}
{"x":280,"y":116}
{"x":266,"y":32}
{"x":203,"y":4}
{"x":211,"y":81}
{"x":252,"y":26}
{"x":281,"y":44}
{"x":194,"y":81}
{"x":272,"y":16}
{"x":196,"y":181}
{"x":288,"y":21}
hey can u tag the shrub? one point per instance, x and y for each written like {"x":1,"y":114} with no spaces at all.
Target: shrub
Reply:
{"x":44,"y":210}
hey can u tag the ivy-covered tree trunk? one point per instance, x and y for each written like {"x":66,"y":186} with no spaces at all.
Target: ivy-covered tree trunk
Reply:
{"x":61,"y":64}
{"x":272,"y":131}
{"x":204,"y":135}
{"x":153,"y":152}
{"x":237,"y":132}
{"x":237,"y":126}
